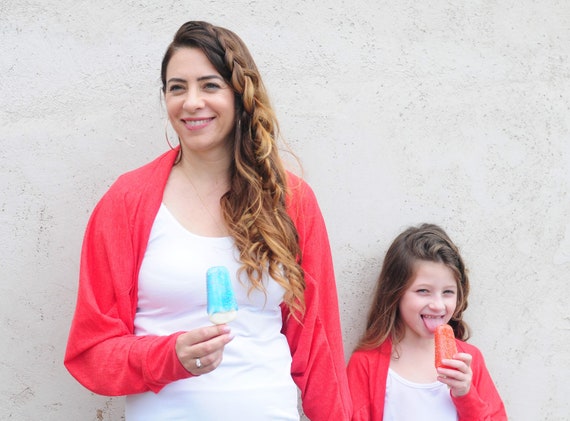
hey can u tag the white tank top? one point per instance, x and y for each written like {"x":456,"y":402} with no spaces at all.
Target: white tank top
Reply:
{"x":254,"y":380}
{"x":409,"y":401}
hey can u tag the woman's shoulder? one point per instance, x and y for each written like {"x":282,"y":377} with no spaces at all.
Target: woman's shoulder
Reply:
{"x":299,"y":193}
{"x":155,"y":170}
{"x":148,"y":179}
{"x":296,"y":183}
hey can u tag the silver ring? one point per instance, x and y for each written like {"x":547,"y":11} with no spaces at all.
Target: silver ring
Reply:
{"x":198,"y":363}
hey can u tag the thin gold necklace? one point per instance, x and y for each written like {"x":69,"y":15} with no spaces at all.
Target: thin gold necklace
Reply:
{"x":222,"y":230}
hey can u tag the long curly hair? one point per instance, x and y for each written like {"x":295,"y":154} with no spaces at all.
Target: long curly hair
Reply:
{"x":254,"y":208}
{"x":427,"y":242}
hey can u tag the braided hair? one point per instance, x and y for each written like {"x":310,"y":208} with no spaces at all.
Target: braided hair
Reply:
{"x":254,"y":208}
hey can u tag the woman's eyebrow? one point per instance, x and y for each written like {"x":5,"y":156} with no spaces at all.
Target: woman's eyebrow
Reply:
{"x":176,"y":79}
{"x":201,"y":78}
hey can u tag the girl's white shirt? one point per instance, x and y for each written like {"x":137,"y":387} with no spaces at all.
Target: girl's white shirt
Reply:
{"x":254,"y":380}
{"x":409,"y":401}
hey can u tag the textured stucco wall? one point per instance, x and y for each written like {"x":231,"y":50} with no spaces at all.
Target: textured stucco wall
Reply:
{"x":401,"y":111}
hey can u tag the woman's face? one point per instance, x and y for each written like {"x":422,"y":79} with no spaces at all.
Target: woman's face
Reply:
{"x":200,"y":104}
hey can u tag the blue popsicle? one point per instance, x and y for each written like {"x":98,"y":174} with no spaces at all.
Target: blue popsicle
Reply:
{"x":222,"y":305}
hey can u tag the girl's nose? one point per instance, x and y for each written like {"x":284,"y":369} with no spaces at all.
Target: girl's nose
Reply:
{"x":437,"y":303}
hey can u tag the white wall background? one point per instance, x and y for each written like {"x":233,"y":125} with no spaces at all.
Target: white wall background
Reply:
{"x":453,"y":112}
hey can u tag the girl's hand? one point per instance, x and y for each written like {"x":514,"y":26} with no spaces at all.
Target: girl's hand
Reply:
{"x":200,"y":350}
{"x":457,"y":374}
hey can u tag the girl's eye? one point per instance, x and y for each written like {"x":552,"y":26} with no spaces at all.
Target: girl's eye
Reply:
{"x":449,"y":292}
{"x":422,"y":291}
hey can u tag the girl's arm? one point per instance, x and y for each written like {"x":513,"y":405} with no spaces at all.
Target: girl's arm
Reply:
{"x":482,"y":402}
{"x":358,"y":371}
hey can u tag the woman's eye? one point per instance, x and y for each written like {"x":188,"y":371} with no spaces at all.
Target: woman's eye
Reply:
{"x":175,"y":88}
{"x":211,"y":86}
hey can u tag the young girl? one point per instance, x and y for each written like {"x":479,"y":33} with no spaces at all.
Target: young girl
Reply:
{"x":392,"y":374}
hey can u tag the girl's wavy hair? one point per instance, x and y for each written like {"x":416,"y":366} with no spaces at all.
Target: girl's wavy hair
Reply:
{"x":254,"y":208}
{"x":427,"y":242}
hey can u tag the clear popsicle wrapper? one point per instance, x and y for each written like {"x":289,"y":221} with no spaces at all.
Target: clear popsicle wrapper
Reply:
{"x":222,"y":305}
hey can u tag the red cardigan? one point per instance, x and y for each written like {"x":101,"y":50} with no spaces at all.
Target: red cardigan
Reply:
{"x":368,"y":371}
{"x":105,"y":356}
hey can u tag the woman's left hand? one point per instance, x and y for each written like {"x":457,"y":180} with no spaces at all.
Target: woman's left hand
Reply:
{"x":457,"y":374}
{"x":201,"y":350}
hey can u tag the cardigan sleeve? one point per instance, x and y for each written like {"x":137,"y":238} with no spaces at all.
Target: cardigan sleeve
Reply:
{"x":318,"y":365}
{"x":367,"y":373}
{"x":103,"y":353}
{"x":358,"y":371}
{"x":483,"y":402}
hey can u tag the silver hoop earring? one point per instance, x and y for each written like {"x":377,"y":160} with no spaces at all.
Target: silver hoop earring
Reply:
{"x":166,"y":135}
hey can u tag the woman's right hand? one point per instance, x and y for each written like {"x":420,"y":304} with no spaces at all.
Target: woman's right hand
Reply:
{"x":201,"y":350}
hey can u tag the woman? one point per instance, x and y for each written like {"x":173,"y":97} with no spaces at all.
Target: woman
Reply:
{"x":222,"y":198}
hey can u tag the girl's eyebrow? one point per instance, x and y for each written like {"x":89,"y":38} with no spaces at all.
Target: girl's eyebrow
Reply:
{"x":429,"y":285}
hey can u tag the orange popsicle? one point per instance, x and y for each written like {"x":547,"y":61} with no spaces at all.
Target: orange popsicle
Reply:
{"x":445,"y":347}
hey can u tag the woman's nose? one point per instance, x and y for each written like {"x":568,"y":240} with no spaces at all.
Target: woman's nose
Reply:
{"x":193,"y":100}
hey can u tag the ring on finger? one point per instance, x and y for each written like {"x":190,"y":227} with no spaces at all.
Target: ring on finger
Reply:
{"x":198,"y":363}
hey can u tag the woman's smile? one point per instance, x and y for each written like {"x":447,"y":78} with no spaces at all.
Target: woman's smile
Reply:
{"x":197,"y":124}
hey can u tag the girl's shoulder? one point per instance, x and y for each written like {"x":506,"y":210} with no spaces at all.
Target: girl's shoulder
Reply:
{"x":370,"y":363}
{"x":468,"y":348}
{"x":382,"y":351}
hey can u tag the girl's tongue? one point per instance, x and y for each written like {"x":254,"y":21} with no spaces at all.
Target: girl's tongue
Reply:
{"x":432,"y":322}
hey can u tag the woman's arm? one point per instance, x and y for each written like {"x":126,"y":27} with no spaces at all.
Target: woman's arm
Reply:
{"x":102,"y":352}
{"x":318,"y":366}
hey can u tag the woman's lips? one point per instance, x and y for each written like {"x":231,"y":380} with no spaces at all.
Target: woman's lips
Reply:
{"x":196,"y":124}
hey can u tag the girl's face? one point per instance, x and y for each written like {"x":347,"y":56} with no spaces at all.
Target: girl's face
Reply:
{"x":430,"y":300}
{"x":200,"y":104}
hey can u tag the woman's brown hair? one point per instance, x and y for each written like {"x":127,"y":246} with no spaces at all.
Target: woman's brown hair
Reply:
{"x":427,"y":242}
{"x":254,"y":208}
